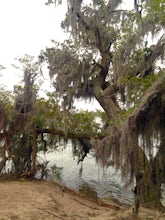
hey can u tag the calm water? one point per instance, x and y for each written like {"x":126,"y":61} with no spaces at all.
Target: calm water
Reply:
{"x":107,"y":183}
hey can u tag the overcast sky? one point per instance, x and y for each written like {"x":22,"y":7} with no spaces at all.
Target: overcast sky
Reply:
{"x":26,"y":27}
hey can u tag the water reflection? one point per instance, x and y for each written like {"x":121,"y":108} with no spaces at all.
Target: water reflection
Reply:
{"x":107,"y":183}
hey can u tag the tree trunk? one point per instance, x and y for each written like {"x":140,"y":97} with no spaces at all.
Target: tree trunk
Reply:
{"x":2,"y":163}
{"x":34,"y":152}
{"x":149,"y":184}
{"x":107,"y":100}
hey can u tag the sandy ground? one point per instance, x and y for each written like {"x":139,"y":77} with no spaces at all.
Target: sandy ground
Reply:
{"x":46,"y":200}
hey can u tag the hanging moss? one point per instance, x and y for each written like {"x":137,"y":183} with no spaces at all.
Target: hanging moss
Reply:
{"x":110,"y":59}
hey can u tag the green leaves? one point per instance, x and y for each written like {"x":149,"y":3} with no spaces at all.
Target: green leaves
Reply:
{"x":82,"y":121}
{"x":7,"y":98}
{"x":57,"y":171}
{"x":156,"y":9}
{"x":48,"y":114}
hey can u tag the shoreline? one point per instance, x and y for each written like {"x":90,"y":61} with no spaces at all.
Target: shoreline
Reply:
{"x":43,"y":199}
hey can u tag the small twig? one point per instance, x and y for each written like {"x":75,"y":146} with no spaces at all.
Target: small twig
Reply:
{"x":51,"y":213}
{"x":82,"y":203}
{"x":58,"y":206}
{"x":54,"y":200}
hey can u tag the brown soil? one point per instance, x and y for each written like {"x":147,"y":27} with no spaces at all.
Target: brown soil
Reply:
{"x":47,"y":200}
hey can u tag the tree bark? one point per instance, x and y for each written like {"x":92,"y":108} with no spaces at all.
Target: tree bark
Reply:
{"x":107,"y":100}
{"x":34,"y":152}
{"x":149,"y":185}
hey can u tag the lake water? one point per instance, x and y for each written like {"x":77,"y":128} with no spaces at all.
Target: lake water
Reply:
{"x":107,"y":183}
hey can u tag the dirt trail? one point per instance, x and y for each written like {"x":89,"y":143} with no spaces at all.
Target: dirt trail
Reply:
{"x":28,"y":200}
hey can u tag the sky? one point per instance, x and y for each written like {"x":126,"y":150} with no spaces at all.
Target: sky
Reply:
{"x":26,"y":27}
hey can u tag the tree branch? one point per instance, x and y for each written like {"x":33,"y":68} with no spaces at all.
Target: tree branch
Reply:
{"x":59,"y":132}
{"x":153,"y":91}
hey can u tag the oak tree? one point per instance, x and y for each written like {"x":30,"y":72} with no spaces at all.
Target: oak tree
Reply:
{"x":110,"y":56}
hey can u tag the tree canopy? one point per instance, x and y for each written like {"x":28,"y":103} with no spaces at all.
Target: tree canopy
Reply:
{"x":30,"y":123}
{"x":116,"y":56}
